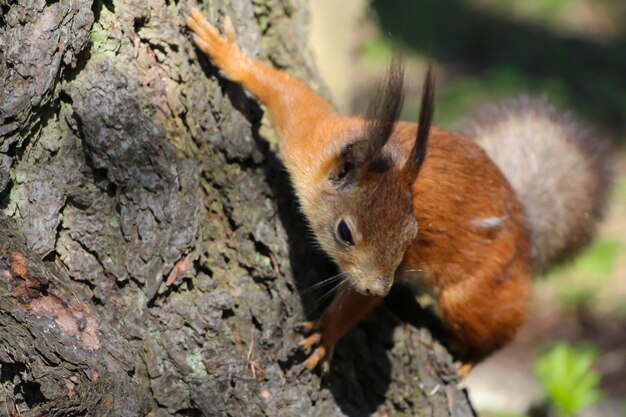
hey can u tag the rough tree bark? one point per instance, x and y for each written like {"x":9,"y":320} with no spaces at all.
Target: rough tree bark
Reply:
{"x":151,"y":253}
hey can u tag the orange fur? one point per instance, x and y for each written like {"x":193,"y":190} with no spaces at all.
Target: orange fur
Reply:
{"x":478,"y":273}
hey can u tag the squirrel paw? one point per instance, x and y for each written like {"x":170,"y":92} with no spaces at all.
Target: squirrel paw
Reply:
{"x":323,"y":353}
{"x":224,"y":52}
{"x":465,"y":369}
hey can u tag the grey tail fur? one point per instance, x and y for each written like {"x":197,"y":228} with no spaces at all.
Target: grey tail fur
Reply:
{"x":558,"y":167}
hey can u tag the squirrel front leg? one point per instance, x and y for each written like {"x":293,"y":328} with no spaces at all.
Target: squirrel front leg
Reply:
{"x":294,"y":109}
{"x":347,"y":309}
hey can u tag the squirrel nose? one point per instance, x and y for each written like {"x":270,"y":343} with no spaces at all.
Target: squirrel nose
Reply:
{"x":379,"y":288}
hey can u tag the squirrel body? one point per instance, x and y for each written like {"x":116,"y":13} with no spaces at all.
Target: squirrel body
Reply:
{"x":391,"y":201}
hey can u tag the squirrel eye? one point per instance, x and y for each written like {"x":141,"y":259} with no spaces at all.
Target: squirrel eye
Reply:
{"x":344,"y":233}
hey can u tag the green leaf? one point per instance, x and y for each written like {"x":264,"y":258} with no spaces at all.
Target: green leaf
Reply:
{"x":566,"y":377}
{"x":599,"y":258}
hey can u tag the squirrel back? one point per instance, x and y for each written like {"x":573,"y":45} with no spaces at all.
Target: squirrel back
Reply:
{"x":558,"y":167}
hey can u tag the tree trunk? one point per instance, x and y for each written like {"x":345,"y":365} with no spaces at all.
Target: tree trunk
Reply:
{"x":152,"y":257}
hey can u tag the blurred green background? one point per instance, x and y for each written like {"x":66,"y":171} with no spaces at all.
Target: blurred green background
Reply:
{"x":574,"y":52}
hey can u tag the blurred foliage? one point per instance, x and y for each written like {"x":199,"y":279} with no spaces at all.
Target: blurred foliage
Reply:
{"x":548,"y":9}
{"x":598,"y":260}
{"x":377,"y":51}
{"x":502,"y":414}
{"x":465,"y":93}
{"x":578,"y":281}
{"x":620,"y":190}
{"x":488,"y":51}
{"x":566,"y":377}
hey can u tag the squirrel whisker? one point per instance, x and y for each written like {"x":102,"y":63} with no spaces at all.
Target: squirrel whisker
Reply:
{"x":323,"y":283}
{"x":344,"y":281}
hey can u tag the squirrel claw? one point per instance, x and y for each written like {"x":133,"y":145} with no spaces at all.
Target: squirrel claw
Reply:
{"x":229,"y":30}
{"x":465,"y":369}
{"x":325,"y":367}
{"x":307,"y":326}
{"x":318,"y":355}
{"x":311,"y":341}
{"x":322,"y":354}
{"x":223,"y":51}
{"x":202,"y":28}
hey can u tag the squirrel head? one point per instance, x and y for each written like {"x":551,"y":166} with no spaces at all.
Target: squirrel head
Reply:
{"x":368,"y":220}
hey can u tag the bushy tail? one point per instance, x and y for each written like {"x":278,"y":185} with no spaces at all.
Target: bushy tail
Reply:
{"x":558,"y":167}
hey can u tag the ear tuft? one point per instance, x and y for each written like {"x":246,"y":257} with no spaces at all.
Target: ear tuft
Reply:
{"x":427,"y":109}
{"x":382,"y":113}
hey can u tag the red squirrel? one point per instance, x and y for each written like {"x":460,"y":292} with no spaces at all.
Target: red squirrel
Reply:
{"x":467,"y":219}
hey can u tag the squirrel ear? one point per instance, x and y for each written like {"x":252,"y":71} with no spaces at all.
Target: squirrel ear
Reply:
{"x":345,"y":164}
{"x":427,"y":108}
{"x":382,"y":113}
{"x":355,"y":158}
